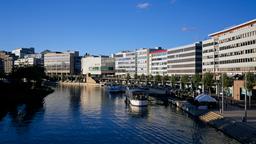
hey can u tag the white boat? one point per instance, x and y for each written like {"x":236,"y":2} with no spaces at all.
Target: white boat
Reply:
{"x":137,"y":97}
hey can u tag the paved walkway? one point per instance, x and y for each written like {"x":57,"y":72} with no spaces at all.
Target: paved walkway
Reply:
{"x":237,"y":114}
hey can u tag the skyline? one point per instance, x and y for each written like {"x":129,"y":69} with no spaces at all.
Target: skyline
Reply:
{"x":104,"y":28}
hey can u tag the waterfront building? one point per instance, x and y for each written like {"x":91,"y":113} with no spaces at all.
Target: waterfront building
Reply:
{"x":142,"y":60}
{"x":158,"y":62}
{"x":7,"y":61}
{"x":232,"y":50}
{"x":29,"y":61}
{"x":59,"y":63}
{"x":185,"y":59}
{"x":125,"y":63}
{"x":21,"y":52}
{"x":98,"y":65}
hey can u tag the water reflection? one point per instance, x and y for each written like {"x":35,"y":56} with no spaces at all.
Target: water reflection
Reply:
{"x":138,"y":111}
{"x":90,"y":115}
{"x":22,"y":115}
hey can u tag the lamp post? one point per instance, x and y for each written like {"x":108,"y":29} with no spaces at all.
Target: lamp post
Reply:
{"x":222,"y":90}
{"x":245,"y":99}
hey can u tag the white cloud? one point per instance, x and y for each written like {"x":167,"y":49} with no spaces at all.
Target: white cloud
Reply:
{"x":143,"y":5}
{"x":187,"y":29}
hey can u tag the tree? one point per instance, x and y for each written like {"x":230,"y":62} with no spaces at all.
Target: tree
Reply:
{"x":150,"y":77}
{"x":227,"y":81}
{"x":135,"y":76}
{"x":196,"y":80}
{"x":250,"y":83}
{"x":143,"y":77}
{"x":208,"y":81}
{"x":128,"y":77}
{"x":184,"y":80}
{"x":174,"y":80}
{"x":158,"y":78}
{"x":30,"y":73}
{"x":165,"y":79}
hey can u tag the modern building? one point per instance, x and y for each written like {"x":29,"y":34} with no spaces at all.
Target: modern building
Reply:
{"x":59,"y":63}
{"x":142,"y":60}
{"x":232,"y":50}
{"x":21,"y":52}
{"x":7,"y":61}
{"x":98,"y":65}
{"x":158,"y":62}
{"x":125,"y":63}
{"x":29,"y":61}
{"x":185,"y":59}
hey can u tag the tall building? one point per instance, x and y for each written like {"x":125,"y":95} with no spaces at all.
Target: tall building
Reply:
{"x":7,"y":61}
{"x":185,"y":59}
{"x":125,"y":63}
{"x":59,"y":63}
{"x":232,"y":50}
{"x":142,"y":61}
{"x":158,"y":62}
{"x":98,"y":65}
{"x":21,"y":52}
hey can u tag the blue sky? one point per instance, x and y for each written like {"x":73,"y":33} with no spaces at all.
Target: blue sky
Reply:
{"x":108,"y":26}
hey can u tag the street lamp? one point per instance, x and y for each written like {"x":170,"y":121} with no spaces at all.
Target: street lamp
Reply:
{"x":245,"y":99}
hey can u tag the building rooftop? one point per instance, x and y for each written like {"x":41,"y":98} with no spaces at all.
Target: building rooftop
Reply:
{"x":233,"y":28}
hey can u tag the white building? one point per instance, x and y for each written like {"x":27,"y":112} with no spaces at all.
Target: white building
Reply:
{"x":125,"y":63}
{"x":98,"y":65}
{"x":185,"y":59}
{"x":231,"y":50}
{"x":21,"y":52}
{"x":142,"y":62}
{"x":158,"y":62}
{"x":27,"y":62}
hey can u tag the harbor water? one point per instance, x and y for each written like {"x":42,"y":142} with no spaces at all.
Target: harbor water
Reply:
{"x":74,"y":114}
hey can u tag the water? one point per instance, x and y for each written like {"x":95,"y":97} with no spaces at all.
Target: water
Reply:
{"x":89,"y":115}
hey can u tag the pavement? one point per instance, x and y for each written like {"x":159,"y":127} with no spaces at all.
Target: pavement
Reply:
{"x":236,"y":113}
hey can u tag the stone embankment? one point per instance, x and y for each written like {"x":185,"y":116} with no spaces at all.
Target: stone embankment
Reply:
{"x":238,"y":130}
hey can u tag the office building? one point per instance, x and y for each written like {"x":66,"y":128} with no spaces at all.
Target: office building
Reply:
{"x":7,"y":61}
{"x":125,"y":63}
{"x":232,"y":50}
{"x":21,"y":52}
{"x":158,"y":62}
{"x":142,"y":60}
{"x":98,"y":65}
{"x":59,"y":63}
{"x":185,"y":59}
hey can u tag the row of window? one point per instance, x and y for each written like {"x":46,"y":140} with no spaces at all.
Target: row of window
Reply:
{"x":181,"y":50}
{"x":244,"y":35}
{"x":244,"y":60}
{"x":249,"y":51}
{"x":251,"y":42}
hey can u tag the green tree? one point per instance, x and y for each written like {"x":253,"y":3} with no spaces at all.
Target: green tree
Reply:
{"x":150,"y":78}
{"x":196,"y":80}
{"x":208,"y":81}
{"x":128,"y":77}
{"x":143,"y":77}
{"x":165,"y":79}
{"x":174,"y":80}
{"x":250,"y":83}
{"x":184,"y":80}
{"x":227,"y":81}
{"x":33,"y":74}
{"x":158,"y":78}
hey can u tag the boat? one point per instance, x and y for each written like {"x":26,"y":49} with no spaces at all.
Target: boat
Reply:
{"x":137,"y":97}
{"x":115,"y":89}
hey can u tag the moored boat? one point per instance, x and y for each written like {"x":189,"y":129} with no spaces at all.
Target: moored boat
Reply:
{"x":137,"y":97}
